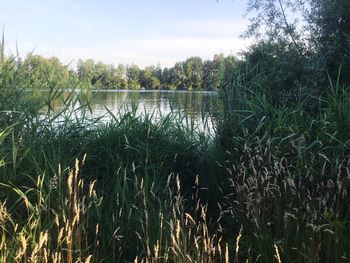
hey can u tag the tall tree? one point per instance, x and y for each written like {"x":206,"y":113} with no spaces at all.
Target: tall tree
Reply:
{"x":317,"y":29}
{"x":43,"y":72}
{"x":86,"y":71}
{"x":212,"y":70}
{"x":149,"y":78}
{"x":133,"y":76}
{"x":331,"y":36}
{"x":168,"y":80}
{"x":121,"y":78}
{"x":180,"y":77}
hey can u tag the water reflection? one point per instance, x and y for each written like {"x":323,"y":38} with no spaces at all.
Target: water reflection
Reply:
{"x":197,"y":106}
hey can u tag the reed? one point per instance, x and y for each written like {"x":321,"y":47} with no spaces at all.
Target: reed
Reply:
{"x":271,"y":186}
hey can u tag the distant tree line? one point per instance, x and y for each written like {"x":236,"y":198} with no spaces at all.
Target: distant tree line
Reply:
{"x":191,"y":74}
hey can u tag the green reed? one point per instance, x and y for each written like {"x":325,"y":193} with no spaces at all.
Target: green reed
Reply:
{"x":271,"y":186}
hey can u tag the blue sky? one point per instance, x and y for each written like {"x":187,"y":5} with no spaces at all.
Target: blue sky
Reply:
{"x":143,"y":32}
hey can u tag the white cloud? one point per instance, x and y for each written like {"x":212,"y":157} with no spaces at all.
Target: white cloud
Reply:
{"x":166,"y":43}
{"x":227,"y":27}
{"x":147,"y":51}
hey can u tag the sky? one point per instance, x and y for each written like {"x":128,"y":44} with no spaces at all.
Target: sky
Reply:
{"x":143,"y":32}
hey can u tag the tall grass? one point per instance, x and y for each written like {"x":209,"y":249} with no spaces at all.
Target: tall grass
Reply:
{"x":272,"y":186}
{"x":288,"y":171}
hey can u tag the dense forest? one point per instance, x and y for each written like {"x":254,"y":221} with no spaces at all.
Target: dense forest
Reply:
{"x":192,"y":74}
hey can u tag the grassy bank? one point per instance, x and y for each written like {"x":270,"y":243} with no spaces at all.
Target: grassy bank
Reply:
{"x":272,"y":186}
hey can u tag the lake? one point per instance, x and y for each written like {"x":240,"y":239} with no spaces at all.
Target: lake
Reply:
{"x":196,"y":107}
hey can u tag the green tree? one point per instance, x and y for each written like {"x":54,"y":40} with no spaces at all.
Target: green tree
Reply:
{"x":278,"y":68}
{"x":193,"y":68}
{"x":133,"y":76}
{"x":330,"y":36}
{"x":86,"y":71}
{"x":43,"y":73}
{"x":121,"y":78}
{"x":318,"y":29}
{"x":149,"y":78}
{"x":212,"y":69}
{"x":168,"y":80}
{"x":180,"y":77}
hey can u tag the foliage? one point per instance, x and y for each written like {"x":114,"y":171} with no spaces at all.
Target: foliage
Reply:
{"x":149,"y":78}
{"x":317,"y":29}
{"x":212,"y":71}
{"x":330,"y":36}
{"x":192,"y":74}
{"x":280,"y":70}
{"x":271,"y":186}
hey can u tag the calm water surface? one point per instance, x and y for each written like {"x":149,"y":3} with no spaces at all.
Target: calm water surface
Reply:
{"x":189,"y":106}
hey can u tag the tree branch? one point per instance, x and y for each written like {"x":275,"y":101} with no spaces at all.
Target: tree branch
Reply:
{"x":289,"y":29}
